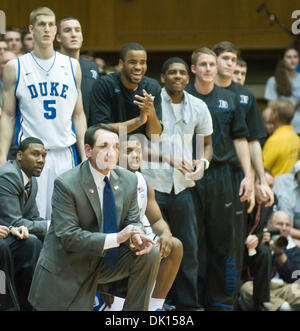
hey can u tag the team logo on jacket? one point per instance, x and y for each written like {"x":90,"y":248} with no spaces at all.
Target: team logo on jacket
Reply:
{"x":94,"y":74}
{"x":244,"y":99}
{"x":223,"y":104}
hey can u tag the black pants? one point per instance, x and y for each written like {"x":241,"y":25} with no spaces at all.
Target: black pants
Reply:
{"x":179,"y":212}
{"x":240,"y":224}
{"x":258,"y":267}
{"x":217,"y":275}
{"x":18,"y":259}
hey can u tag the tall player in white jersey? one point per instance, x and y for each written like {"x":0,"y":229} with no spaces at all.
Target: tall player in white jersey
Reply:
{"x":42,"y":98}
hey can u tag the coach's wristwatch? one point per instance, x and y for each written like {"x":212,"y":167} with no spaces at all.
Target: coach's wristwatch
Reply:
{"x":206,"y":162}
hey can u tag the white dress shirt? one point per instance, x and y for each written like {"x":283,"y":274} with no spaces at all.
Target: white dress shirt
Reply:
{"x":111,"y":238}
{"x":25,"y":178}
{"x":182,"y":122}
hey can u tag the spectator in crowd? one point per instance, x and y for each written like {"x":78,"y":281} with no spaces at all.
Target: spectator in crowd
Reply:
{"x":4,"y":58}
{"x":95,"y":223}
{"x":185,"y":119}
{"x":70,"y":38}
{"x":280,"y":151}
{"x":13,"y":37}
{"x":89,"y":56}
{"x":257,"y":257}
{"x":285,"y":84}
{"x":101,"y":64}
{"x":240,"y":71}
{"x":266,"y":116}
{"x":3,"y":46}
{"x":296,"y":45}
{"x":128,"y":99}
{"x":49,"y":101}
{"x":287,"y":190}
{"x":284,"y":287}
{"x":217,"y":274}
{"x":27,"y":40}
{"x":110,"y":70}
{"x":22,"y":229}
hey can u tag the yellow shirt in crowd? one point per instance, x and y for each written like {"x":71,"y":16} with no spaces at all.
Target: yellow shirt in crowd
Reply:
{"x":281,"y":149}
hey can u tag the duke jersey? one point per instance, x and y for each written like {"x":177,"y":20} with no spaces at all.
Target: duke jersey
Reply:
{"x":142,"y":197}
{"x":46,"y":100}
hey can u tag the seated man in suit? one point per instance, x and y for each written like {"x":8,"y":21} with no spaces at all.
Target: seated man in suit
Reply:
{"x":21,"y":228}
{"x":18,"y":188}
{"x":94,"y":237}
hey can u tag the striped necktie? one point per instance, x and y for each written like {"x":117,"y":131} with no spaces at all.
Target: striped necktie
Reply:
{"x":27,"y":191}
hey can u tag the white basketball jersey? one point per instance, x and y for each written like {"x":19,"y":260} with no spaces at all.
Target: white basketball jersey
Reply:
{"x":142,"y":197}
{"x":46,"y":99}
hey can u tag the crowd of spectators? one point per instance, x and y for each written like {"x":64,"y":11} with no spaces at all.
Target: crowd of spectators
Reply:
{"x":222,"y":174}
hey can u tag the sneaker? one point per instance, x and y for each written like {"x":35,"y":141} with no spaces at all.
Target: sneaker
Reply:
{"x":168,"y":307}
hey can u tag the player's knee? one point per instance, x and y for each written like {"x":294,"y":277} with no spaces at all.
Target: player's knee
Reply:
{"x":177,"y":248}
{"x":153,"y":256}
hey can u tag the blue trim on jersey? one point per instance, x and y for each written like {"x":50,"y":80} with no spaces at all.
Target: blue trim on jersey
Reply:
{"x":73,"y":73}
{"x":222,"y":109}
{"x":75,"y":155}
{"x":18,"y":79}
{"x":18,"y":124}
{"x":73,"y":129}
{"x":146,"y":185}
{"x":73,"y":147}
{"x":40,"y":65}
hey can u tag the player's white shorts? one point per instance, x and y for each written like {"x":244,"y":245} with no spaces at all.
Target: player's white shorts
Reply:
{"x":57,"y":162}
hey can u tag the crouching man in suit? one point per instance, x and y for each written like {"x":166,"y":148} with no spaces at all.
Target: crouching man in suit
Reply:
{"x":95,"y":236}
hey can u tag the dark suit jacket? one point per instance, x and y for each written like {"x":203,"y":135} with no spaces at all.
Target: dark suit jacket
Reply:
{"x":73,"y":249}
{"x":13,"y":209}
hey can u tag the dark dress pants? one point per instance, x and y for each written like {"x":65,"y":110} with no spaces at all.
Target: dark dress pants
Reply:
{"x":18,"y":259}
{"x":179,"y":212}
{"x":217,"y":274}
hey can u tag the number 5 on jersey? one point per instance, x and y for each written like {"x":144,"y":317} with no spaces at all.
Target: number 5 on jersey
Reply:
{"x":50,"y":111}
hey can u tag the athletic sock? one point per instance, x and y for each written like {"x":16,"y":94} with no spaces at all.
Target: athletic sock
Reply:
{"x":285,"y":307}
{"x":155,"y":304}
